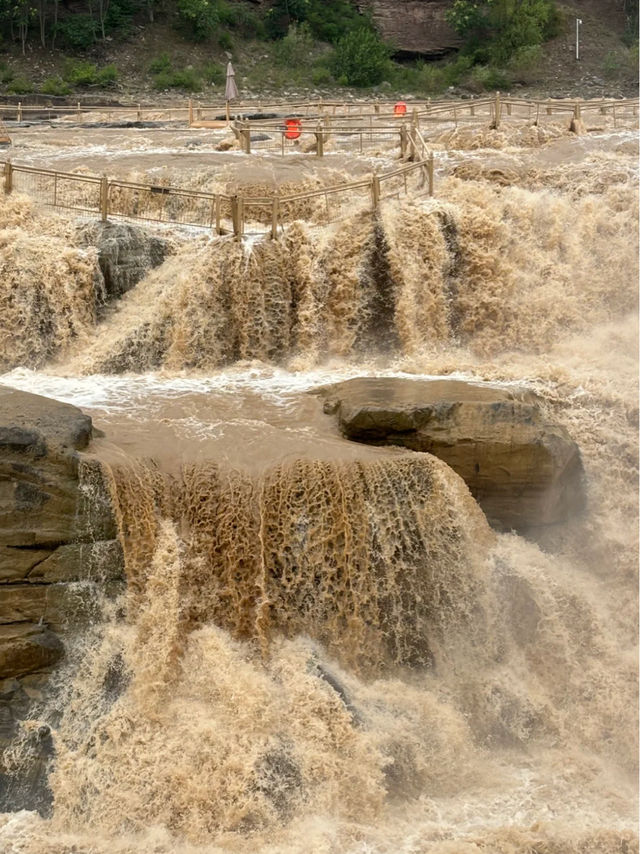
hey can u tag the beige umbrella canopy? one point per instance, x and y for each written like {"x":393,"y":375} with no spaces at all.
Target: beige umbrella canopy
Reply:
{"x":231,"y":90}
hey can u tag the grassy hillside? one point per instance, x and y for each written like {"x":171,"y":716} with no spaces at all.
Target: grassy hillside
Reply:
{"x":137,"y":48}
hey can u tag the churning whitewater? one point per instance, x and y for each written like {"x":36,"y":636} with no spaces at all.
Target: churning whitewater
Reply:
{"x":323,"y":646}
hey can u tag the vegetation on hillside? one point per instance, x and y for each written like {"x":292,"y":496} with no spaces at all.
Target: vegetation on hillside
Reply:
{"x":321,"y":43}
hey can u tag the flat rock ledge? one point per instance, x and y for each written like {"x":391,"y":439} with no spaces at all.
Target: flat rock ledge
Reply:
{"x":524,"y":471}
{"x":58,"y":553}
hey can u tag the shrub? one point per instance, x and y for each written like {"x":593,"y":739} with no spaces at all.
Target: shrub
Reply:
{"x":55,"y":86}
{"x":327,"y":21}
{"x":497,"y":28}
{"x":294,"y":49}
{"x":214,"y":73}
{"x":248,"y":23}
{"x":20,"y":86}
{"x":160,"y":63}
{"x":77,"y":32}
{"x":321,"y":76}
{"x":486,"y":78}
{"x":361,"y":58}
{"x":6,"y":74}
{"x":621,"y":63}
{"x":524,"y":63}
{"x":225,"y":41}
{"x":80,"y":73}
{"x":186,"y":79}
{"x":432,"y":79}
{"x":107,"y":76}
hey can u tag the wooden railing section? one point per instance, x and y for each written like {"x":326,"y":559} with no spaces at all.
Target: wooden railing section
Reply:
{"x":496,"y":108}
{"x":223,"y":214}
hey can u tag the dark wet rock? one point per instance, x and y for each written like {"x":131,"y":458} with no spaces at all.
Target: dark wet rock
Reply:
{"x":25,"y":647}
{"x":116,"y":679}
{"x":523,"y":470}
{"x":126,"y":253}
{"x":279,"y":778}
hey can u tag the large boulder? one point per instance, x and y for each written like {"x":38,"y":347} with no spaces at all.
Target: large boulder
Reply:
{"x":414,"y":26}
{"x":58,"y":551}
{"x":523,"y":470}
{"x":126,"y":253}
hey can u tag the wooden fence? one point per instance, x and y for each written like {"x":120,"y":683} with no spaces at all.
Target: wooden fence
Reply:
{"x":223,"y":214}
{"x":495,"y":108}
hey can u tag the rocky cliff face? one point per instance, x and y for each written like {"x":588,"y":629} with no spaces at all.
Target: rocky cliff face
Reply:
{"x":58,"y":551}
{"x":414,"y":26}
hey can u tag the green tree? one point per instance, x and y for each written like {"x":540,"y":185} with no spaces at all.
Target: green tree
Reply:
{"x":199,"y":18}
{"x":361,"y":58}
{"x":495,"y":29}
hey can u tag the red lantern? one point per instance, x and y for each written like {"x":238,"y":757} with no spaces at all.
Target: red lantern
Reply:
{"x":293,"y":128}
{"x":400,"y":109}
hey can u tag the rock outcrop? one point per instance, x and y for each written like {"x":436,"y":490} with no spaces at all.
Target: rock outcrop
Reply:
{"x":524,"y":471}
{"x":414,"y":26}
{"x":58,"y":552}
{"x":126,"y":253}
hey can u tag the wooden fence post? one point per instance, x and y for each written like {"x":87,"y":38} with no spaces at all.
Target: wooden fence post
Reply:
{"x":237,"y":215}
{"x":8,"y":177}
{"x":139,"y":114}
{"x":104,"y":198}
{"x":190,"y":112}
{"x":497,"y":109}
{"x":246,"y":136}
{"x":319,"y":140}
{"x":19,"y":111}
{"x":375,"y":191}
{"x":403,"y":142}
{"x":430,"y":173}
{"x":275,"y":213}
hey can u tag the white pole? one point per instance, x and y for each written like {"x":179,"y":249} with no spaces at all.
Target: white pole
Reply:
{"x":578,"y":22}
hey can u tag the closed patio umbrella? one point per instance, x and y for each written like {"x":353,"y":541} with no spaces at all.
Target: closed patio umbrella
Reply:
{"x":231,"y":90}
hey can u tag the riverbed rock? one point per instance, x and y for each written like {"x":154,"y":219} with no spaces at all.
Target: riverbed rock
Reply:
{"x":58,"y":554}
{"x":126,"y":253}
{"x":524,"y":471}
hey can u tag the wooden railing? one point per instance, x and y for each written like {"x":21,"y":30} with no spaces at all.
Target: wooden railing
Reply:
{"x":224,"y":214}
{"x":196,"y":113}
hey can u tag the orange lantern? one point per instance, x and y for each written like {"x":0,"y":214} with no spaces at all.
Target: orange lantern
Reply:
{"x":293,"y":128}
{"x":400,"y":109}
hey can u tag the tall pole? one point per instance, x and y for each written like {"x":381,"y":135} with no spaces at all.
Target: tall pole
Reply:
{"x":578,"y":23}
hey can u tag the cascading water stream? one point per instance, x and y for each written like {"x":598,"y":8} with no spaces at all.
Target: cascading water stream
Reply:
{"x":322,"y":646}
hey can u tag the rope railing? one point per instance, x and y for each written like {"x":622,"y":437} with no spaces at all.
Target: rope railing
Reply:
{"x":219,"y":212}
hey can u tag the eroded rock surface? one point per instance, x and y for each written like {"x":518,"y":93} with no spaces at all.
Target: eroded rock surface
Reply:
{"x":414,"y":26}
{"x":523,"y":470}
{"x":126,"y":253}
{"x":58,"y":551}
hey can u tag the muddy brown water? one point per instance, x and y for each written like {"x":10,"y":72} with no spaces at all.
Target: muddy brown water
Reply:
{"x":323,"y":647}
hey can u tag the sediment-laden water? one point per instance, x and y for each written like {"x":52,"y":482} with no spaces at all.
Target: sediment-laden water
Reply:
{"x":323,"y":647}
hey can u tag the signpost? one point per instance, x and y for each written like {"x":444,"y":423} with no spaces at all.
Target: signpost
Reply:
{"x":578,"y":23}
